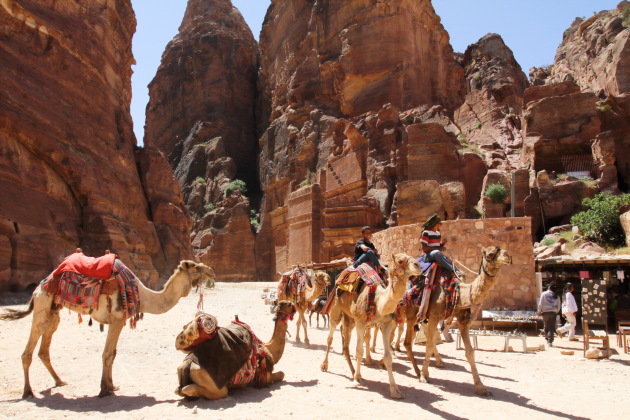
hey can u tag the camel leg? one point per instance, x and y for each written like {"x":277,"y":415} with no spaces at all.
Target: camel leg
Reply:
{"x":368,"y":355}
{"x":373,"y":346}
{"x":310,"y":316}
{"x":41,"y":321}
{"x":298,"y":324}
{"x":203,"y":385}
{"x":109,"y":354}
{"x":387,"y":358}
{"x":430,"y":331}
{"x":470,"y":356}
{"x":275,"y":377}
{"x":333,"y":321}
{"x":400,"y":329}
{"x":346,"y":333}
{"x":308,"y":343}
{"x":408,"y":343}
{"x":359,"y":351}
{"x":44,"y":349}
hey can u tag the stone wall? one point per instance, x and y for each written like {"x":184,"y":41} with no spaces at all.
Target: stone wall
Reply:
{"x":516,"y":287}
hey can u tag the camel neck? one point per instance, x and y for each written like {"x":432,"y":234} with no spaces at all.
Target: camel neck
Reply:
{"x":391,"y":295}
{"x":153,"y":302}
{"x":278,"y":340}
{"x":483,"y":283}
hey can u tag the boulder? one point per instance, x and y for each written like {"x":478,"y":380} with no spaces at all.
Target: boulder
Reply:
{"x":625,"y":224}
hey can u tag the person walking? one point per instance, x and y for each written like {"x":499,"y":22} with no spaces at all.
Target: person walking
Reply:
{"x":569,"y":311}
{"x":548,"y":306}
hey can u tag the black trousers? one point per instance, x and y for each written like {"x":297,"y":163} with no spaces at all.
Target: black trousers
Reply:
{"x":549,"y":319}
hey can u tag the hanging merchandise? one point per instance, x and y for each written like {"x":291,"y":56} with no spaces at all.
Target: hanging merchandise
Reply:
{"x":621,"y":275}
{"x":584,"y":275}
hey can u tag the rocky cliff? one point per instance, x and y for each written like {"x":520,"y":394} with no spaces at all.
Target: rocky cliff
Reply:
{"x":365,"y":116}
{"x":202,"y":115}
{"x":69,"y":175}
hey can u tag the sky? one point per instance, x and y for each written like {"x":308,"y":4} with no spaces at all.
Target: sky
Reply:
{"x":531,"y":28}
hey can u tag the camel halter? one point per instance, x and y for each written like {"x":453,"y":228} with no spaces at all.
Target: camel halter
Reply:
{"x":482,"y":267}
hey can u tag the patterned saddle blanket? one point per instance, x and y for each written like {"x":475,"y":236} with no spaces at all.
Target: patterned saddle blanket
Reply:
{"x":292,"y":285}
{"x":349,"y":281}
{"x":80,"y":292}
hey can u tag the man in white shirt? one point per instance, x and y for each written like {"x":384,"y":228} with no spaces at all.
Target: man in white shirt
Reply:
{"x":569,"y":310}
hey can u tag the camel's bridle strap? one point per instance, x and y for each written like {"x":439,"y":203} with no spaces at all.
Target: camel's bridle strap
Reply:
{"x":482,"y":266}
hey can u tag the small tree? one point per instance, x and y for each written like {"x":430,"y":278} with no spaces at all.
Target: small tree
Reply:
{"x":237,"y":184}
{"x":497,"y":193}
{"x":601,"y":223}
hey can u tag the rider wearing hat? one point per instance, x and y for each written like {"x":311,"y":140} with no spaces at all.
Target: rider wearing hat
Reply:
{"x":432,"y":245}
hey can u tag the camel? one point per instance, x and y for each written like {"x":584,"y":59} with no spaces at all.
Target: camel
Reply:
{"x":470,"y":295}
{"x":316,"y":307}
{"x":203,"y":385}
{"x":350,"y":309}
{"x":321,"y":279}
{"x":187,"y":275}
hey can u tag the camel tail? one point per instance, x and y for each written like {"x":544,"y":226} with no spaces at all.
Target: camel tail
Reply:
{"x":14,"y":314}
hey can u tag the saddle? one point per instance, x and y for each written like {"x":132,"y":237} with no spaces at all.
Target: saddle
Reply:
{"x":352,"y":280}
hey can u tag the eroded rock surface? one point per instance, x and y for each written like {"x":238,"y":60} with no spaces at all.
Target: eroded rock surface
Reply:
{"x":68,"y":173}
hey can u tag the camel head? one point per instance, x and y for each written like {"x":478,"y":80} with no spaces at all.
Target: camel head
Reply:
{"x":284,"y":311}
{"x":321,"y":278}
{"x":496,"y":255}
{"x":203,"y":327}
{"x":197,"y":273}
{"x":405,"y":267}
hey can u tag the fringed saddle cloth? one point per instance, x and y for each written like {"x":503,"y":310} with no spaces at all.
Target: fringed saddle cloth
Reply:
{"x":420,"y":295}
{"x":292,"y":285}
{"x":79,"y":281}
{"x":349,"y":280}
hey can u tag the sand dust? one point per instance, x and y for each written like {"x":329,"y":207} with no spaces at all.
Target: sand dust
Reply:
{"x":541,"y":385}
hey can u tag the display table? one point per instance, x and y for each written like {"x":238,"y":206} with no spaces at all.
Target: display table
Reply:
{"x":474,"y":334}
{"x":510,"y":318}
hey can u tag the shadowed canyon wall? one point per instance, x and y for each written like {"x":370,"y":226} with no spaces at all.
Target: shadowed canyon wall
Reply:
{"x":69,"y":175}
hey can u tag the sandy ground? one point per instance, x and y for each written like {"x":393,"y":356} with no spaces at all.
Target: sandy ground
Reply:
{"x":541,"y":385}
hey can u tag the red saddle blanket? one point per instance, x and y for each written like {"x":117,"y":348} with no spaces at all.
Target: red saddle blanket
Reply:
{"x":350,"y":276}
{"x":100,"y":267}
{"x":292,"y":285}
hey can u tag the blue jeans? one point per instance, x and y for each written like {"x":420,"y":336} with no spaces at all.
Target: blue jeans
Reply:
{"x":368,"y":256}
{"x":438,"y":257}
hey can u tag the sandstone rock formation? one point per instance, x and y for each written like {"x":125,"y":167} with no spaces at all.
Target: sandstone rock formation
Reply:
{"x":201,"y":114}
{"x":348,"y":58}
{"x":595,"y":52}
{"x":625,"y":224}
{"x":489,"y":117}
{"x":68,"y":174}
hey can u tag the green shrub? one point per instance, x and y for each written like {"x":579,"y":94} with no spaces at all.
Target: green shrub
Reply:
{"x":601,"y":223}
{"x":479,"y":124}
{"x":237,"y":184}
{"x":548,"y":241}
{"x":198,"y":180}
{"x":253,"y":220}
{"x":626,"y":18}
{"x":497,"y":193}
{"x":310,"y":177}
{"x":410,"y":119}
{"x":209,"y":207}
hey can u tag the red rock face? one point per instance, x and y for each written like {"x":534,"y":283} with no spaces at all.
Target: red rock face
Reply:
{"x":489,"y":118}
{"x":348,"y":58}
{"x":68,"y":175}
{"x":596,"y":53}
{"x":201,"y":114}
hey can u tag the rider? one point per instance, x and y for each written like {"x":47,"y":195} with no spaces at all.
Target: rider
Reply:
{"x":433,"y":244}
{"x":365,"y":251}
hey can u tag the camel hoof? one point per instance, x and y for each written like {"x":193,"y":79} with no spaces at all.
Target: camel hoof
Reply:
{"x":397,"y":395}
{"x":307,"y":343}
{"x":439,"y":365}
{"x":298,"y":341}
{"x":484,"y":392}
{"x":104,"y":393}
{"x":27,"y":394}
{"x":424,"y":380}
{"x":324,"y":367}
{"x":178,"y":391}
{"x":61,"y":383}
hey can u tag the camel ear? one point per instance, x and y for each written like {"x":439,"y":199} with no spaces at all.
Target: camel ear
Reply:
{"x":187,"y":265}
{"x":394,"y":258}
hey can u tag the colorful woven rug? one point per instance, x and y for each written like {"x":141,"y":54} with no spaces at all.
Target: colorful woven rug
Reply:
{"x":81,"y":293}
{"x":348,"y":280}
{"x":292,"y":285}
